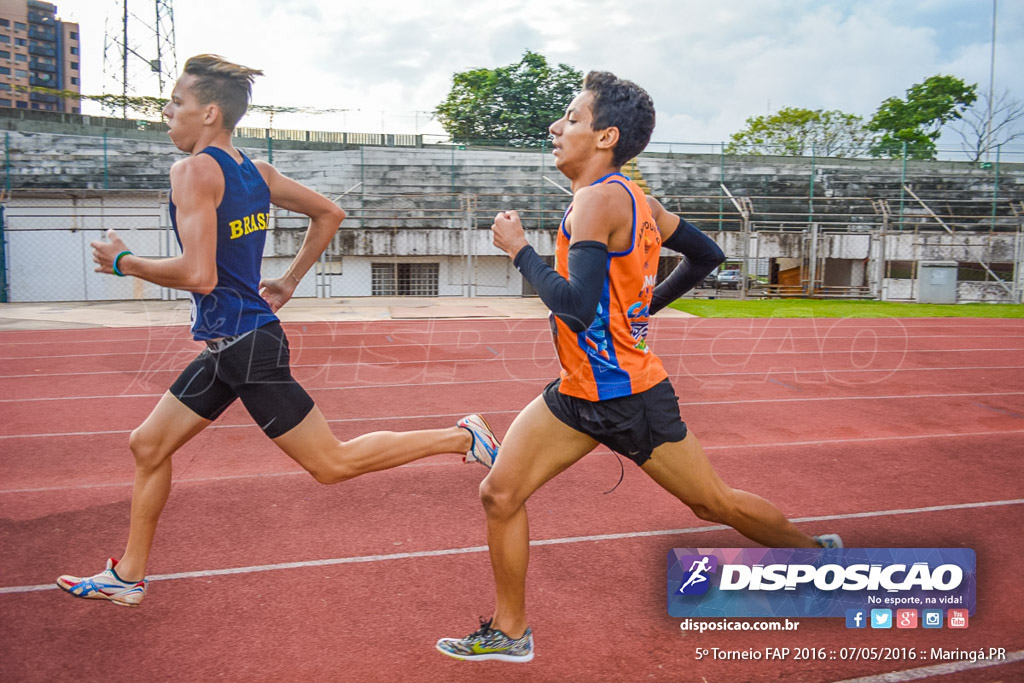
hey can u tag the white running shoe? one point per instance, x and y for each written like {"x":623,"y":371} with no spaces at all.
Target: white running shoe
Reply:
{"x":485,"y":445}
{"x":829,"y":541}
{"x":106,"y":585}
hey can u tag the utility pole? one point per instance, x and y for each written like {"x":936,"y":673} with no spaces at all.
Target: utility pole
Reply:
{"x":124,"y":64}
{"x":166,"y":63}
{"x":155,"y":48}
{"x":991,"y":84}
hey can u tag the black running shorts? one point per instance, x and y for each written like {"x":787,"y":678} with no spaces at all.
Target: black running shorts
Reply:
{"x":630,"y":425}
{"x":253,"y":367}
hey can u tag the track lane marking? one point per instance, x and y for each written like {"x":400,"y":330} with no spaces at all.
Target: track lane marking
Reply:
{"x":516,"y":411}
{"x":786,"y":371}
{"x":777,"y":444}
{"x":253,"y":569}
{"x":547,"y":342}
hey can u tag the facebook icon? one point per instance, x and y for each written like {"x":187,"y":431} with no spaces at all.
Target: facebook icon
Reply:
{"x":856,"y":618}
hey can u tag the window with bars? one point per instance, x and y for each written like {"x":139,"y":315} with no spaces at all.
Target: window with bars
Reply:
{"x":404,"y":279}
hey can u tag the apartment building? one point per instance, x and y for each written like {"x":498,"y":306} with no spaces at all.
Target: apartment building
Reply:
{"x":38,"y":50}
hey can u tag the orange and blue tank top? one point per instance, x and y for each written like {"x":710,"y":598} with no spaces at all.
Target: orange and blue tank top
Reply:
{"x":611,"y":358}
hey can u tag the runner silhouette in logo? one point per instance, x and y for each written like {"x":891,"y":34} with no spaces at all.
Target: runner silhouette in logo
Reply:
{"x":696,"y":575}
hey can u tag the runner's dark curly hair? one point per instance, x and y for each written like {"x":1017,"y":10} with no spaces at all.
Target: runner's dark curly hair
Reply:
{"x":624,"y":105}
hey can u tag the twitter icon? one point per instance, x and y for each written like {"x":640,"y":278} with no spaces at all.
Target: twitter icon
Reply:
{"x":881,"y":618}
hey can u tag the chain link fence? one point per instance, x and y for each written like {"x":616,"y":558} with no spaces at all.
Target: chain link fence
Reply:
{"x":418,"y":218}
{"x":46,"y":244}
{"x":388,"y":249}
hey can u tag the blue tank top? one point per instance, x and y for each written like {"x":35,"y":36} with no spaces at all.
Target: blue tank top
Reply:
{"x":235,"y":305}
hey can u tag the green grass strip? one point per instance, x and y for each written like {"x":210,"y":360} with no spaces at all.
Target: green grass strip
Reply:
{"x":830,"y":308}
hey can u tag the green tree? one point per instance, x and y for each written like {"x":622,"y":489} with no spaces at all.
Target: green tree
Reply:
{"x":795,"y":131}
{"x":918,"y":120}
{"x":514,"y":103}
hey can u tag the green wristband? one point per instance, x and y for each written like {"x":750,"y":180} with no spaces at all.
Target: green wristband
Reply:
{"x":118,"y":258}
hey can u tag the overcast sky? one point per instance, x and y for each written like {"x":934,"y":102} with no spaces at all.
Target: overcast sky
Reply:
{"x":708,"y":64}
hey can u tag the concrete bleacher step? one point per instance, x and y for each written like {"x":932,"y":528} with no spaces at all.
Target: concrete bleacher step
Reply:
{"x":779,"y":188}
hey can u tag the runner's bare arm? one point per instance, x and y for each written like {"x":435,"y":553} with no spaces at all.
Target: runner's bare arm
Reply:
{"x":602,"y":213}
{"x":325,"y":218}
{"x":197,"y":185}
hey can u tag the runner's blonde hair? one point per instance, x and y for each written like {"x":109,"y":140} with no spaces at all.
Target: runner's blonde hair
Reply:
{"x":224,"y":83}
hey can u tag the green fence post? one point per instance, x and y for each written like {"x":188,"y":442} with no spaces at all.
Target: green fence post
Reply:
{"x":3,"y":256}
{"x":995,"y":188}
{"x":810,"y":202}
{"x":270,"y":148}
{"x":903,"y":184}
{"x":106,"y":170}
{"x":543,"y":156}
{"x":721,"y":181}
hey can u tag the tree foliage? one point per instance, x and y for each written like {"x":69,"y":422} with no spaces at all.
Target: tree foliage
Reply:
{"x":918,"y":120}
{"x":514,"y":103}
{"x":977,"y":138}
{"x":795,"y":131}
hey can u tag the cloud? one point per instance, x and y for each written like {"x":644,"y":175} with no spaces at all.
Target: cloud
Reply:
{"x":707,"y":66}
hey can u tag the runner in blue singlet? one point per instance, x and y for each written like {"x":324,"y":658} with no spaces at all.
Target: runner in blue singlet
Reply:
{"x":220,"y":207}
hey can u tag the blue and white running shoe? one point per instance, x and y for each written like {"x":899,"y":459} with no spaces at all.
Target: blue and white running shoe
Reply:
{"x":829,"y":541}
{"x":106,"y":585}
{"x":485,"y":445}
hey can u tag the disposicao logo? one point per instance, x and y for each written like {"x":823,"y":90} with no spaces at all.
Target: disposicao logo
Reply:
{"x":782,"y":582}
{"x":696,"y":580}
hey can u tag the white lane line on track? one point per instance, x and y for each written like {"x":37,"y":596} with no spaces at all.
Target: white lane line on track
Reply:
{"x":181,"y":335}
{"x":724,"y":447}
{"x":546,"y":378}
{"x":381,"y":351}
{"x":209,"y":480}
{"x":368,"y":386}
{"x":341,"y":328}
{"x":541,"y":322}
{"x":766,"y":374}
{"x":548,"y":541}
{"x":682,"y":404}
{"x":936,"y":670}
{"x":516,"y":411}
{"x":184,"y":345}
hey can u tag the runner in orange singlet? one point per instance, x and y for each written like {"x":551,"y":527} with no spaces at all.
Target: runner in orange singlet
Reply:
{"x":610,"y":358}
{"x":612,"y":389}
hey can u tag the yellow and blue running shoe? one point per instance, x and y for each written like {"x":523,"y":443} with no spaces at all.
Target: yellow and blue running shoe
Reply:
{"x":106,"y":585}
{"x":485,"y":445}
{"x":488,"y":643}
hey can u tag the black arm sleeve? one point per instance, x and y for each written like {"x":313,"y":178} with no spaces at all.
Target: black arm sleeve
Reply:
{"x":700,"y":256}
{"x":573,"y":300}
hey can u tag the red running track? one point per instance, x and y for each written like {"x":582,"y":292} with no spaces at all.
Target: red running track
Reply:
{"x":893,"y":433}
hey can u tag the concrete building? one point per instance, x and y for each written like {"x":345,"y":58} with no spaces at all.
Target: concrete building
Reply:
{"x":37,"y":49}
{"x":419,"y":216}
